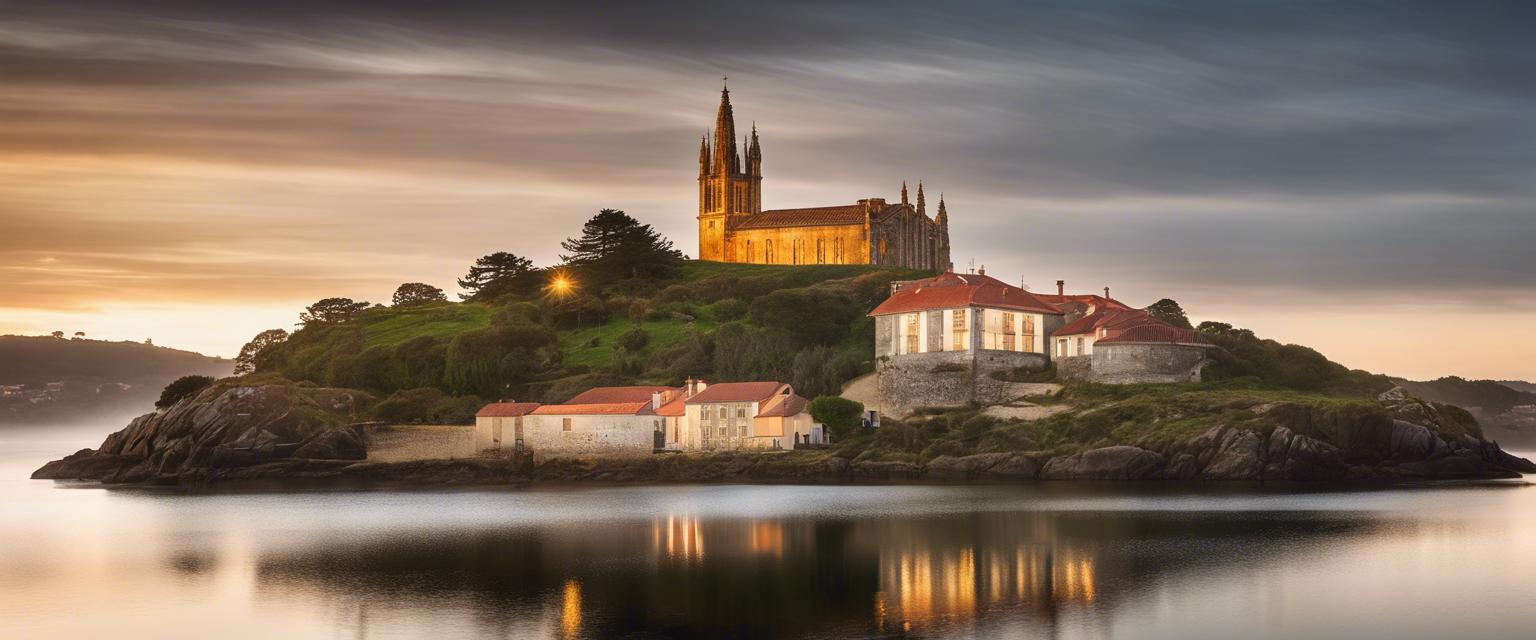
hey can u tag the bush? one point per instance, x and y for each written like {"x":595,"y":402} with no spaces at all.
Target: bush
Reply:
{"x":181,"y":389}
{"x":730,"y":310}
{"x":808,"y":316}
{"x":427,"y":405}
{"x":633,"y":340}
{"x":841,"y":416}
{"x":638,"y":310}
{"x":820,"y":371}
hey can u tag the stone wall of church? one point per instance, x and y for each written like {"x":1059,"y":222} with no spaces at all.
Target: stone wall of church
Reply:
{"x":828,"y":244}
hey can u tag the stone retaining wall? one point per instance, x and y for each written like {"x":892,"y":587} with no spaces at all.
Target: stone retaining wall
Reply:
{"x":408,"y":442}
{"x":947,"y":378}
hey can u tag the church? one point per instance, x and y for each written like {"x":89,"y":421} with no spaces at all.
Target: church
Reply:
{"x":733,"y":227}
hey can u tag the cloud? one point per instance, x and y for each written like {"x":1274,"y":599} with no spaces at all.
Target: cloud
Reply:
{"x":1234,"y":150}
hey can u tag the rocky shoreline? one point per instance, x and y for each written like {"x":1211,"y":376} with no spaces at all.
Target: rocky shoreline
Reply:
{"x":287,"y":435}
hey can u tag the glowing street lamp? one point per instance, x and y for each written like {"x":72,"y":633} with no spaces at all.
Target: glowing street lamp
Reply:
{"x":561,"y":285}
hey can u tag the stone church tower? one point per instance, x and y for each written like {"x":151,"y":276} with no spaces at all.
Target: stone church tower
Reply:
{"x":728,"y":190}
{"x":733,"y":227}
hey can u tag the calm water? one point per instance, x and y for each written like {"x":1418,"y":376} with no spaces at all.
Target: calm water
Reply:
{"x":758,"y":561}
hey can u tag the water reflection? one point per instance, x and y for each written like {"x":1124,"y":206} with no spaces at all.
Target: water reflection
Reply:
{"x":756,"y":562}
{"x":790,"y":576}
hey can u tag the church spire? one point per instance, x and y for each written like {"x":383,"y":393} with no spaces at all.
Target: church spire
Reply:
{"x":943,"y":218}
{"x":704,"y":154}
{"x":904,"y":192}
{"x":921,"y":206}
{"x":726,"y":160}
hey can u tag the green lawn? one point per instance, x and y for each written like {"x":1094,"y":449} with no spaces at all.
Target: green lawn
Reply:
{"x":443,"y":320}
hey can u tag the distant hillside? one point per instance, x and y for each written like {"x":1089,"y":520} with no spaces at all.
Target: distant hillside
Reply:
{"x":1520,"y":385}
{"x":47,"y":380}
{"x":1507,"y":412}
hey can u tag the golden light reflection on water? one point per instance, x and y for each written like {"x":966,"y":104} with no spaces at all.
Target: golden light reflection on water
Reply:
{"x":570,"y":609}
{"x":678,"y":538}
{"x":930,"y":586}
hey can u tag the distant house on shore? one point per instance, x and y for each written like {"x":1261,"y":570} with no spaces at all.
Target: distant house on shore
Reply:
{"x":639,"y":420}
{"x":948,"y":340}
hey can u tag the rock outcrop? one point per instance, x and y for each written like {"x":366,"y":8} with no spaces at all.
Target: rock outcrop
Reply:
{"x":219,"y":430}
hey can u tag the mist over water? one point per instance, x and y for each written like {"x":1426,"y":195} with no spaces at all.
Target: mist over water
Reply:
{"x":1048,"y":560}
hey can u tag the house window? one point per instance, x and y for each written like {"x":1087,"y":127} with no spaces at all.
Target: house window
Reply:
{"x":1007,"y":331}
{"x":722,"y":432}
{"x":768,"y":251}
{"x":743,"y":431}
{"x":565,"y":424}
{"x":837,"y":251}
{"x":912,"y":327}
{"x":722,"y":413}
{"x":958,"y":328}
{"x":741,"y":413}
{"x":1079,"y":345}
{"x":749,"y":251}
{"x":711,"y":224}
{"x":821,"y":251}
{"x":1029,"y":333}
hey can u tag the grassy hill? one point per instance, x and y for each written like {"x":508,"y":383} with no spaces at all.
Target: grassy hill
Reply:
{"x":804,"y":325}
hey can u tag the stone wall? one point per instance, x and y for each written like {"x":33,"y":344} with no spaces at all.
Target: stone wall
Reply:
{"x":1147,"y":363}
{"x":946,"y":378}
{"x":600,"y":435}
{"x":1074,"y":367}
{"x":407,"y":442}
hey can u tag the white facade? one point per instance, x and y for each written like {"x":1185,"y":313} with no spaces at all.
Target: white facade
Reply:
{"x":1001,"y":330}
{"x":604,"y":434}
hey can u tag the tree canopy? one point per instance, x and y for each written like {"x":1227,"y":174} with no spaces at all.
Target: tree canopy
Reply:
{"x":246,"y":361}
{"x":840,"y":415}
{"x":615,"y":246}
{"x":498,"y":273}
{"x":181,"y":388}
{"x":1170,"y":312}
{"x":414,"y":293}
{"x":332,"y":310}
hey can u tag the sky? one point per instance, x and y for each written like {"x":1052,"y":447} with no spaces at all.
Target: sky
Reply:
{"x":1358,"y":177}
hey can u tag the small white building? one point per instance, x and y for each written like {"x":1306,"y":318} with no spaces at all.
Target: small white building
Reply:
{"x":741,"y":415}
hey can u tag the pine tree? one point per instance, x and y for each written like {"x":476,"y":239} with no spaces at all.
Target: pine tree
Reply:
{"x":615,"y":246}
{"x":496,"y":274}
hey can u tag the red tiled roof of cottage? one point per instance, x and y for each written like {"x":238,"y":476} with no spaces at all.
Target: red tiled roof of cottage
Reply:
{"x":784,"y":406}
{"x":596,"y":409}
{"x":609,"y":395}
{"x":1156,"y":332}
{"x":736,"y":392}
{"x":674,"y":408}
{"x":848,"y":214}
{"x":506,"y":409}
{"x":950,"y":290}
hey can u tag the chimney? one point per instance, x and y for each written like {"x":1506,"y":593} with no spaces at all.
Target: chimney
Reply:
{"x":656,"y":400}
{"x":982,"y":271}
{"x":698,"y":386}
{"x":1106,"y":292}
{"x":1061,"y":287}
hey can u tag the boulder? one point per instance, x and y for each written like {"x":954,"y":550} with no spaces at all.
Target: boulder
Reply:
{"x":1237,"y":457}
{"x":334,"y":444}
{"x":1120,"y":462}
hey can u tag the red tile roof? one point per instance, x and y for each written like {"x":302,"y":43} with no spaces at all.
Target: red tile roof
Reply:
{"x":674,"y":408}
{"x":1158,"y":333}
{"x":506,"y":409}
{"x":1095,"y":301}
{"x":1092,"y":322}
{"x":596,"y":409}
{"x":848,"y":214}
{"x":737,"y":392}
{"x":950,"y":290}
{"x":784,"y":406}
{"x":609,"y":395}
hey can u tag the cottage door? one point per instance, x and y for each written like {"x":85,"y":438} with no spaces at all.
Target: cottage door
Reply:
{"x":519,"y":430}
{"x":495,"y":433}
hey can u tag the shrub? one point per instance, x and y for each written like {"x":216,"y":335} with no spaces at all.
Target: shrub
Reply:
{"x":638,"y":310}
{"x":841,"y":416}
{"x":633,"y":340}
{"x":181,"y":389}
{"x":808,"y":316}
{"x":427,"y":405}
{"x":730,"y":310}
{"x":820,"y":371}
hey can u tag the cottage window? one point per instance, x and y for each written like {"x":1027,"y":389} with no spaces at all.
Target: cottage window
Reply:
{"x":1079,"y":345}
{"x":958,"y":328}
{"x":749,"y":251}
{"x":1029,"y":333}
{"x":741,"y":413}
{"x":768,"y":252}
{"x":821,"y":251}
{"x":565,"y":424}
{"x":722,"y":431}
{"x":912,"y":327}
{"x":722,"y":413}
{"x":837,"y":251}
{"x":1007,"y":331}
